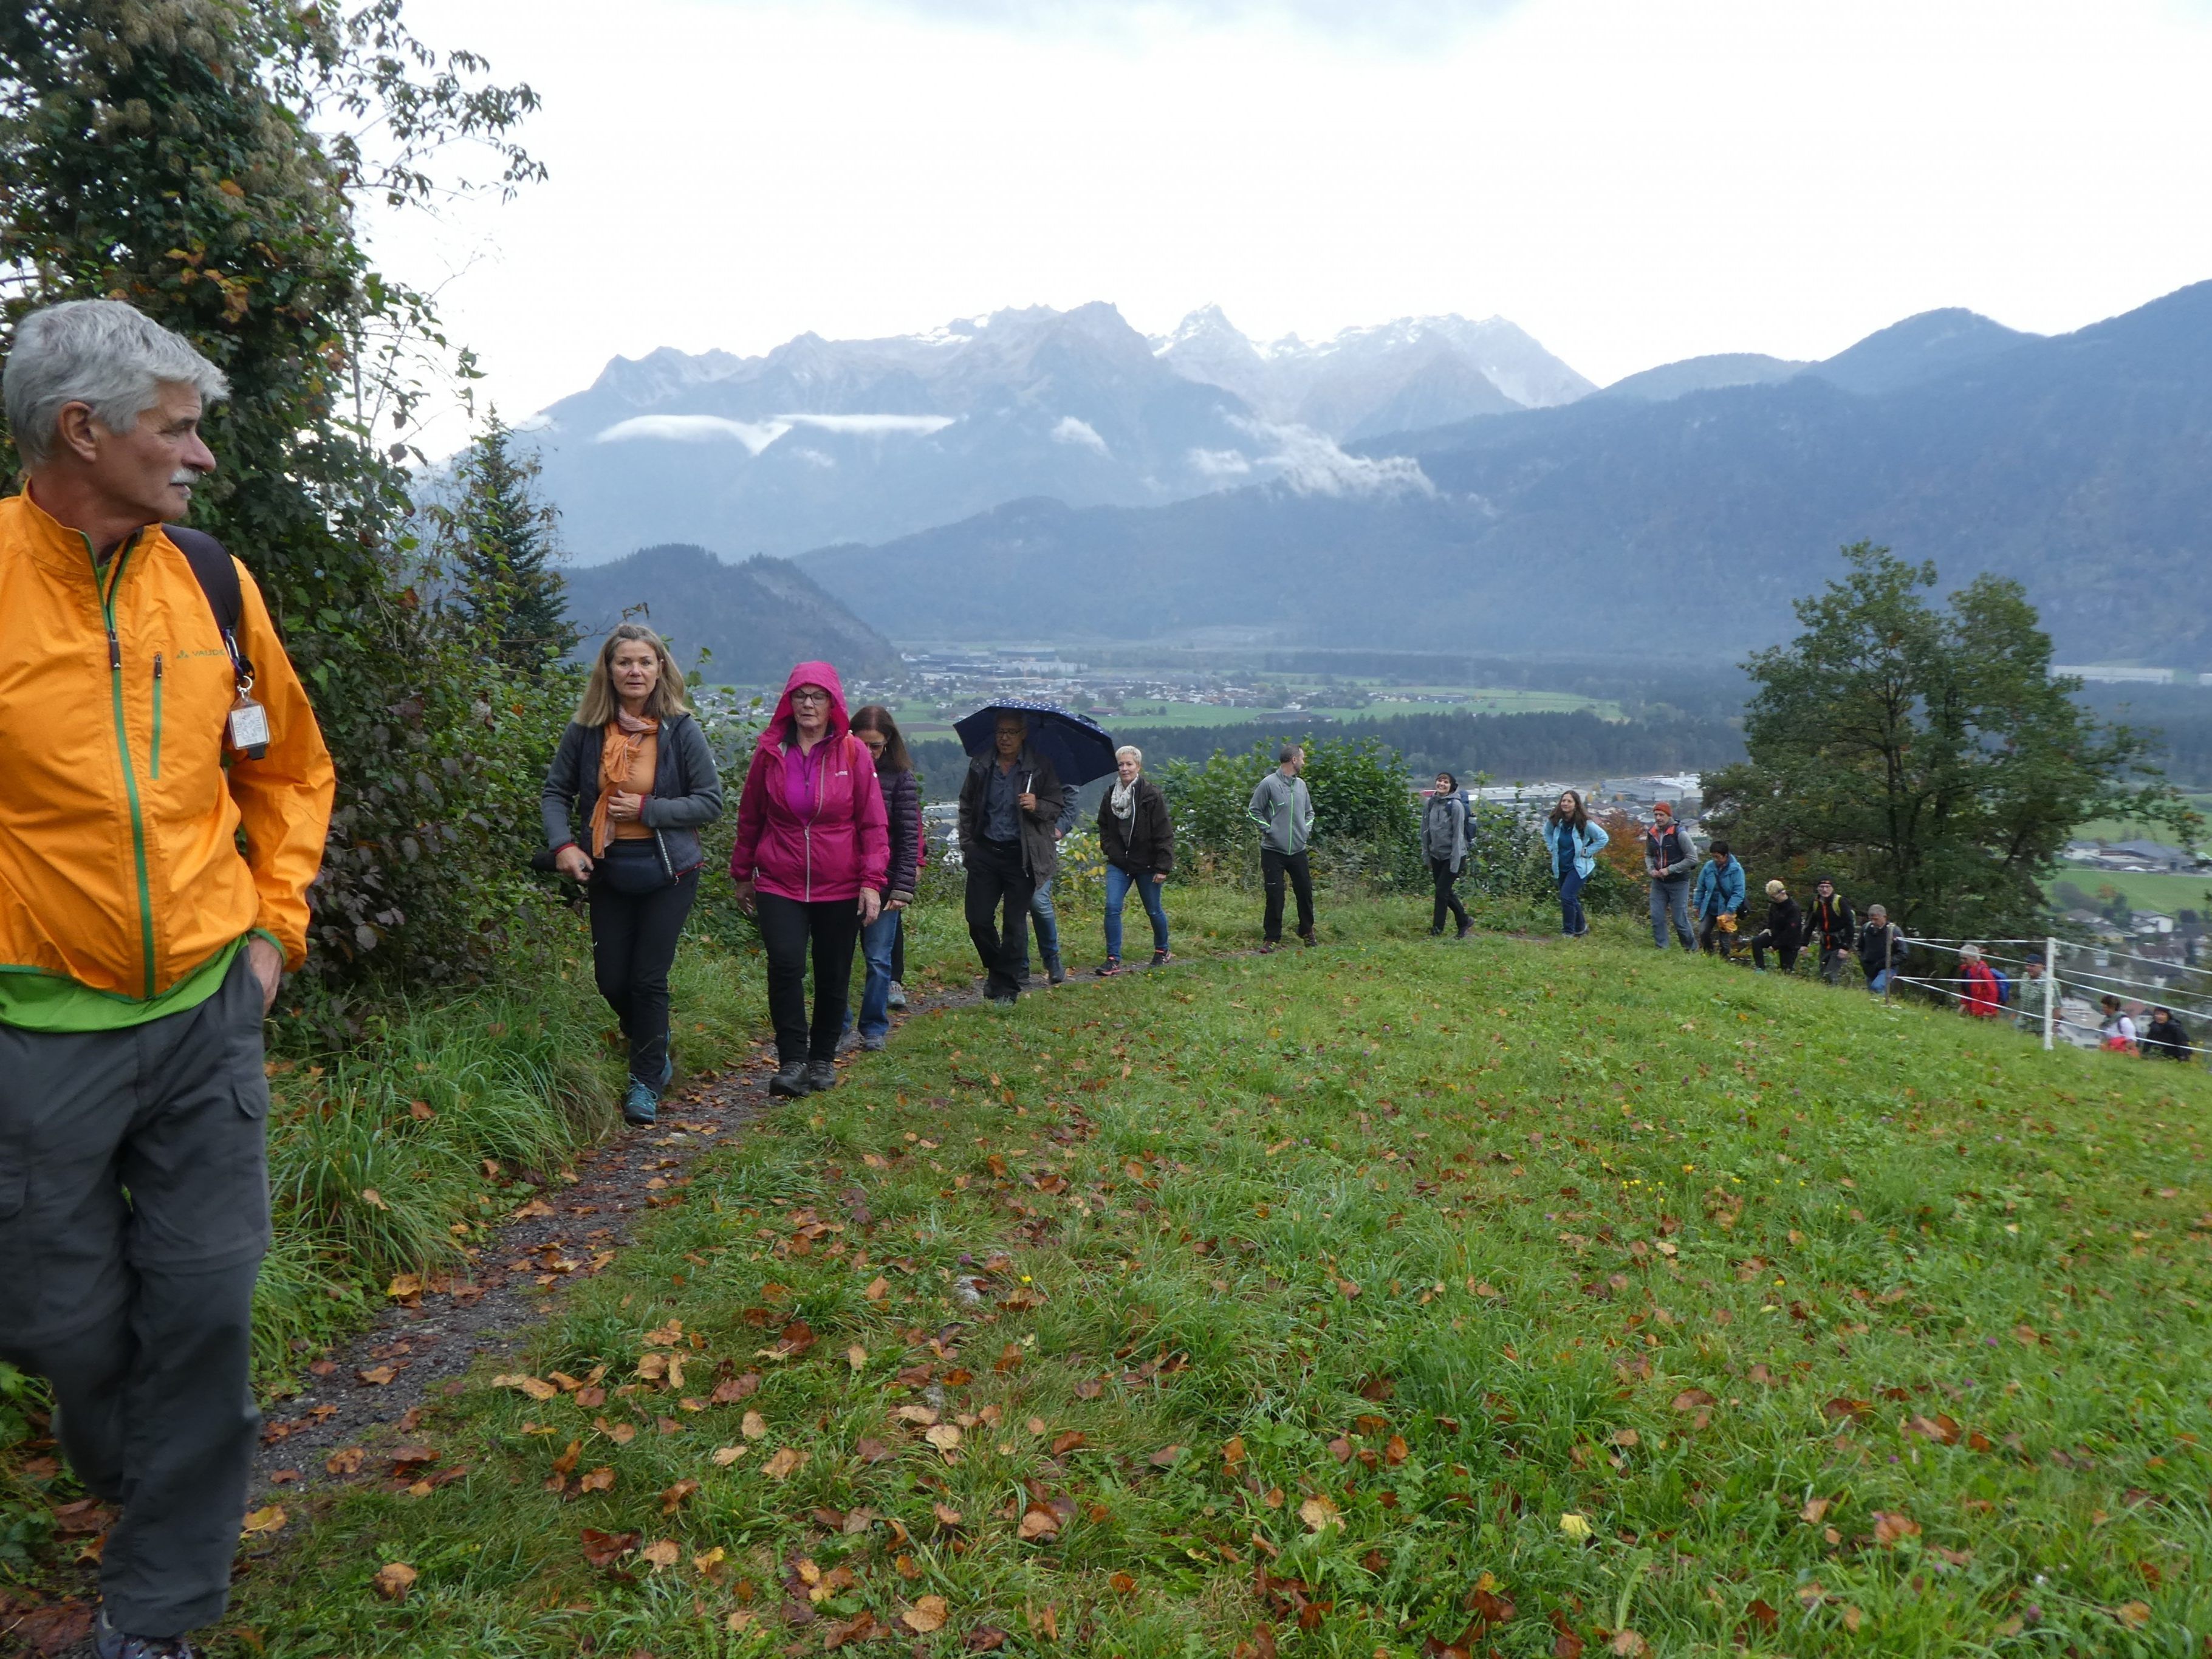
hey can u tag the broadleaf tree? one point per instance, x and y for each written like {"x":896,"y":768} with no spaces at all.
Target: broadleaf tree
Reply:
{"x":203,"y":159}
{"x":1925,"y":755}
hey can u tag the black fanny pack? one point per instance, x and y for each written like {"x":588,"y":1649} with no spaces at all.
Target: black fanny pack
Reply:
{"x":633,"y":866}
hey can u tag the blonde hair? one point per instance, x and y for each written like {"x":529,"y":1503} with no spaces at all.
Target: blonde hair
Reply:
{"x":599,"y":703}
{"x":1130,"y":749}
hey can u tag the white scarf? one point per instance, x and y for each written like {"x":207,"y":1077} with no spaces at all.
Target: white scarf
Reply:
{"x":1125,"y":802}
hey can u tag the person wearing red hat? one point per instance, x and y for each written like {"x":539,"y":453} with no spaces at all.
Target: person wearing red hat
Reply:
{"x":1670,"y":860}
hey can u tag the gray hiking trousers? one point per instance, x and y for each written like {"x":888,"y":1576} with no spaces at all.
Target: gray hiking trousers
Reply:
{"x":134,"y":1213}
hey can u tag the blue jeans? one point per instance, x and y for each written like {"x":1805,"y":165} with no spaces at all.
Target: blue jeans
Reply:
{"x":876,"y":940}
{"x":1118,"y":884}
{"x":1572,"y":922}
{"x":1670,"y":902}
{"x":1879,"y":982}
{"x":1047,"y":928}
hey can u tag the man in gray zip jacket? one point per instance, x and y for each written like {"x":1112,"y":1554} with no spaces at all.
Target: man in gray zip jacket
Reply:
{"x":1284,"y":811}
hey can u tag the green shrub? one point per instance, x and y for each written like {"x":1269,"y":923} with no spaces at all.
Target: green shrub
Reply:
{"x":1367,"y":825}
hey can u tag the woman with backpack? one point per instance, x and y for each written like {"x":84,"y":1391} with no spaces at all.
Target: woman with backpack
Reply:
{"x":1980,"y":995}
{"x":1444,"y":839}
{"x":1137,"y":837}
{"x":634,"y":766}
{"x":811,"y":858}
{"x":1572,"y":840}
{"x":874,"y":727}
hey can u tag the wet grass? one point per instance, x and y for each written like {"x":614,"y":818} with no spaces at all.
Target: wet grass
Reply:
{"x":1393,"y":1298}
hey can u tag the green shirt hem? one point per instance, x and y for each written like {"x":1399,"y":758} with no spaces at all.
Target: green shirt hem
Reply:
{"x":38,"y":999}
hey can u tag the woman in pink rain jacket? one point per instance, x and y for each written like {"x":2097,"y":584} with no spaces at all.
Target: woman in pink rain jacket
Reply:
{"x":812,"y":852}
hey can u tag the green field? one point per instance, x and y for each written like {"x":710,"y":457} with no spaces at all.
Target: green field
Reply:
{"x":1395,"y":1298}
{"x":2124,"y":829}
{"x":2165,"y":893}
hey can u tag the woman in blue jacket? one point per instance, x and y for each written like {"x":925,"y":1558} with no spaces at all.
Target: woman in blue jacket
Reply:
{"x":1573,"y":842}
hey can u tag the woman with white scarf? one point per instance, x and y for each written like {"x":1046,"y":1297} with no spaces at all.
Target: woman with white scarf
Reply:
{"x":1138,"y":838}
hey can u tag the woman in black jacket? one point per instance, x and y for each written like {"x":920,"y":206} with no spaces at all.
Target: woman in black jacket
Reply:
{"x":1784,"y":931}
{"x":1138,"y":839}
{"x":634,"y":767}
{"x":874,"y":727}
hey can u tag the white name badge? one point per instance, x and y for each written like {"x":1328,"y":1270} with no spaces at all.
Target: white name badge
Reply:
{"x":249,"y":728}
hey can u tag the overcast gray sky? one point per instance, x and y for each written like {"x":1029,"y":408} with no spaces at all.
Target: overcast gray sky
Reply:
{"x":1631,"y":181}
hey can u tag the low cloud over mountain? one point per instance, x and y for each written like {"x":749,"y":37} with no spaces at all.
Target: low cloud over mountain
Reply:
{"x":822,"y":441}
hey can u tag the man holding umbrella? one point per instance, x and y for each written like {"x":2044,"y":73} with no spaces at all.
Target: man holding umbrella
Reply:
{"x":1008,"y":802}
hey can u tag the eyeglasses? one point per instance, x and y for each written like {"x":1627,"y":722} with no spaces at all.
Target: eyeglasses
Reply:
{"x":810,"y":696}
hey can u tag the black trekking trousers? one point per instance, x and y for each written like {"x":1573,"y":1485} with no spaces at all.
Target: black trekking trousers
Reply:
{"x":788,"y":928}
{"x":1447,"y":895}
{"x":632,"y":944}
{"x":1273,"y":868}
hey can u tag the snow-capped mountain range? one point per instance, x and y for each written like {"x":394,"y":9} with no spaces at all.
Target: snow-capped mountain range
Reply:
{"x":823,"y":442}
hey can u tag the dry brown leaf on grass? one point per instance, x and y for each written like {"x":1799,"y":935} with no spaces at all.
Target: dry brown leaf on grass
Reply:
{"x":599,"y":1479}
{"x":752,"y":1426}
{"x":878,"y":1288}
{"x":869,"y":1450}
{"x":268,"y":1519}
{"x":662,"y":1553}
{"x":945,"y":1437}
{"x":393,"y":1580}
{"x":731,"y":1389}
{"x":927,"y":1614}
{"x":1815,"y":1511}
{"x":857,"y":1357}
{"x":921,"y":1415}
{"x":1891,"y":1529}
{"x":403,"y":1286}
{"x":1319,"y":1512}
{"x":725,"y":1455}
{"x":536,"y":1387}
{"x":346,"y":1460}
{"x":1628,"y":1644}
{"x":1064,"y":1443}
{"x":1038,"y":1520}
{"x":946,"y":1515}
{"x":604,"y":1549}
{"x":787,"y":1463}
{"x":674,"y":1497}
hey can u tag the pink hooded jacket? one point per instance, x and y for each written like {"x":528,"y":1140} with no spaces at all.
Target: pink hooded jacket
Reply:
{"x":813,"y":827}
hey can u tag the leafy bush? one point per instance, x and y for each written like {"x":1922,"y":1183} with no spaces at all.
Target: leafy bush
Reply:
{"x":1367,"y":826}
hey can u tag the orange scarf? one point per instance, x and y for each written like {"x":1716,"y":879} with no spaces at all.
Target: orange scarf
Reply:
{"x":626,"y":735}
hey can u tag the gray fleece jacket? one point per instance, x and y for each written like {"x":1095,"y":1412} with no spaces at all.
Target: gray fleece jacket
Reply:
{"x":1283,"y":809}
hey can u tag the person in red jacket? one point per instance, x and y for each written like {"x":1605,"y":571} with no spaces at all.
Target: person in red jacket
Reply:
{"x":812,"y":851}
{"x":1979,"y":994}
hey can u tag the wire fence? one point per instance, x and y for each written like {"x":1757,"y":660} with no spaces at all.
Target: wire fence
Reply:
{"x":2057,"y":990}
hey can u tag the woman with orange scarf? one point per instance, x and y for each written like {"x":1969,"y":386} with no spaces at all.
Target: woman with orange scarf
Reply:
{"x":637,"y":764}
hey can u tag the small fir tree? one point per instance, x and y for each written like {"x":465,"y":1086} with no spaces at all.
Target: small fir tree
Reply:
{"x":498,"y":544}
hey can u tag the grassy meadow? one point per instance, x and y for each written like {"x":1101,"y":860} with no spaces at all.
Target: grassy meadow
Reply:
{"x":1397,"y":1298}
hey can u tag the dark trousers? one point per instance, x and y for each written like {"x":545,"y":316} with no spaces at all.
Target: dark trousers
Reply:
{"x":633,"y":945}
{"x":997,"y":880}
{"x":1447,"y":895}
{"x":1273,"y":868}
{"x":1712,"y":937}
{"x":1572,"y":922}
{"x":1834,"y":960}
{"x":787,"y":928}
{"x":898,"y":952}
{"x":139,"y":1311}
{"x":1762,"y":941}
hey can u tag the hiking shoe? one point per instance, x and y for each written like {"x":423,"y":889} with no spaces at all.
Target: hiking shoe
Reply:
{"x":110,"y":1643}
{"x":874,"y":1045}
{"x":789,"y":1080}
{"x":1436,"y":933}
{"x":1465,"y":928}
{"x":1268,"y":947}
{"x":898,"y":995}
{"x":1054,"y":972}
{"x":1308,"y":940}
{"x":1161,"y":958}
{"x":1113,"y":967}
{"x":640,"y":1104}
{"x":1002,"y":999}
{"x":821,"y":1074}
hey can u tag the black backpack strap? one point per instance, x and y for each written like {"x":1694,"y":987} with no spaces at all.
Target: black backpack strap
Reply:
{"x":218,"y":579}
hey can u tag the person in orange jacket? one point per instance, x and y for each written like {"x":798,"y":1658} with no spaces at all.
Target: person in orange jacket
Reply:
{"x":168,"y":794}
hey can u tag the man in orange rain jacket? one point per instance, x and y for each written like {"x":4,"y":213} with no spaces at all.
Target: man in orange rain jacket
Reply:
{"x":164,"y":796}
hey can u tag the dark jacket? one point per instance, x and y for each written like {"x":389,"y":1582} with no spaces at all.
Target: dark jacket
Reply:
{"x":1147,"y":848}
{"x":1881,"y":945}
{"x":1785,"y":922}
{"x":687,"y":791}
{"x":1677,"y":850}
{"x":1831,"y":924}
{"x":1040,"y":850}
{"x":903,"y":806}
{"x":2168,"y":1039}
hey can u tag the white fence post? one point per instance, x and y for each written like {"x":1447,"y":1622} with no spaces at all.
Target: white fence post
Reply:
{"x":2050,"y":988}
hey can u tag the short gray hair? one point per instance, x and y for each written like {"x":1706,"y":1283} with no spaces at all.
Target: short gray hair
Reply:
{"x":100,"y":352}
{"x":1130,"y":749}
